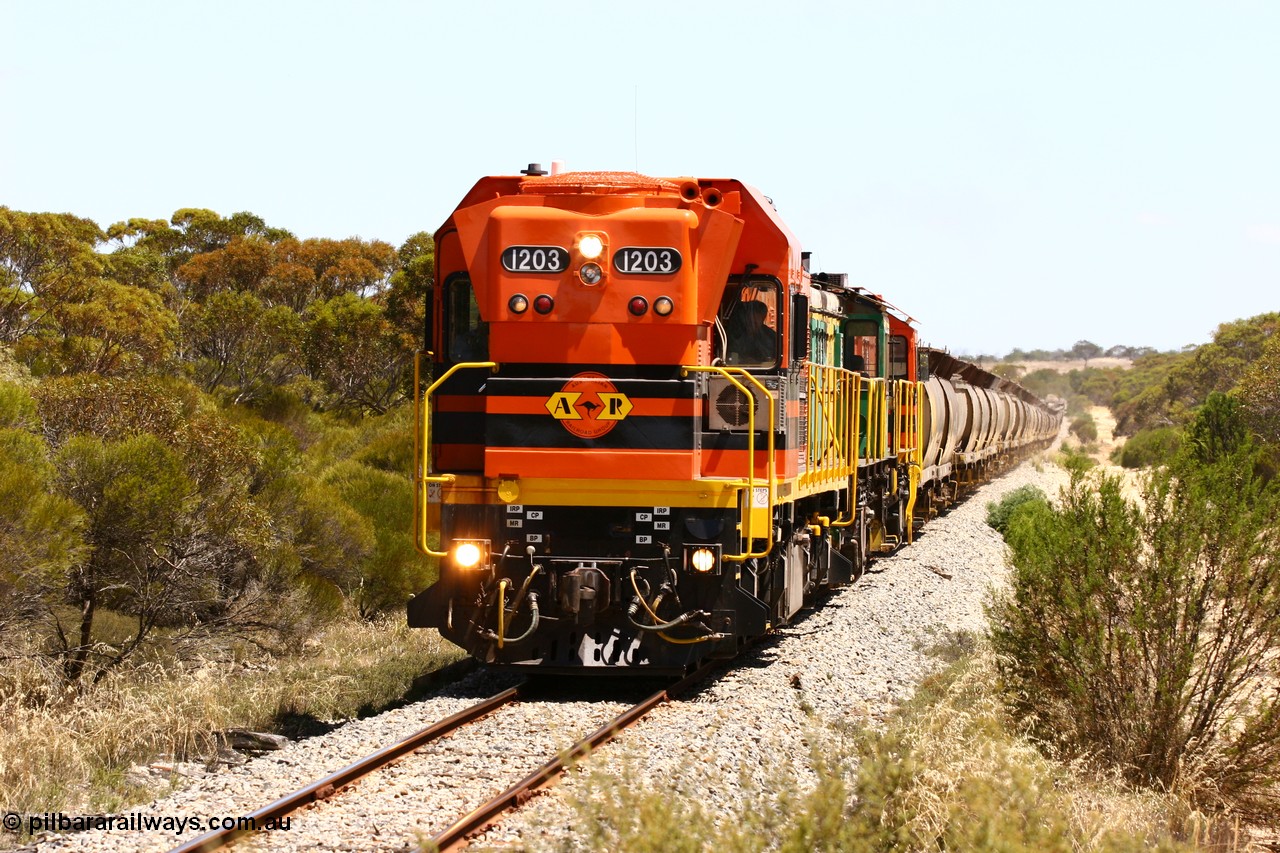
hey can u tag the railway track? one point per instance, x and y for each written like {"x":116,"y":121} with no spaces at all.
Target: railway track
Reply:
{"x":455,"y":835}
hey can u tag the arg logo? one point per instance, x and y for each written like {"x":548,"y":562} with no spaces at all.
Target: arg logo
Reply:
{"x":589,"y":405}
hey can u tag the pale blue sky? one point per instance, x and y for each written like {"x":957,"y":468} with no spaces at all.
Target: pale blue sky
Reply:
{"x":1010,"y":173}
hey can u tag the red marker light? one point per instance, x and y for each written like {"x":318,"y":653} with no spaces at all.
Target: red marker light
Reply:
{"x":543,"y":304}
{"x":638,"y":306}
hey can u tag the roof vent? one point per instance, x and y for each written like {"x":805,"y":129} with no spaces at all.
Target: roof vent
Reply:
{"x":534,"y":170}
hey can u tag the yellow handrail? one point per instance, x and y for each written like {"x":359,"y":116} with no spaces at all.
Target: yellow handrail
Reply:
{"x":877,"y":431}
{"x":422,"y":445}
{"x":854,"y":437}
{"x":771,"y":467}
{"x":910,"y":421}
{"x":830,"y":457}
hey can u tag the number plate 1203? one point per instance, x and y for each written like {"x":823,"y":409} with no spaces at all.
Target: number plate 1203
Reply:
{"x":647,"y":260}
{"x":535,"y":259}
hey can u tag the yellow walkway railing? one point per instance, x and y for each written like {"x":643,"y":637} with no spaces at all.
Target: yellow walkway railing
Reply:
{"x":422,"y":445}
{"x":907,"y":442}
{"x":771,"y":472}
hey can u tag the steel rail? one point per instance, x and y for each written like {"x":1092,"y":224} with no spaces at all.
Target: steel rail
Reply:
{"x":334,"y":782}
{"x":455,"y":837}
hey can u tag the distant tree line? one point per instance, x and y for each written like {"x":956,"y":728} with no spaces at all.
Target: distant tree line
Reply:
{"x":1080,"y":351}
{"x":1161,"y":392}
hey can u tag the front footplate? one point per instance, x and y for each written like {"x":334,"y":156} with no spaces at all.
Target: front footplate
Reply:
{"x":603,"y":616}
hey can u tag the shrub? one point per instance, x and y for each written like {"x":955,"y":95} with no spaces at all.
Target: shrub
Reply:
{"x":998,"y":514}
{"x":1149,"y":447}
{"x":1259,"y":393}
{"x":1218,"y":430}
{"x":1084,"y":428}
{"x":392,"y":569}
{"x":1141,"y":637}
{"x":1098,"y":385}
{"x":1075,"y":459}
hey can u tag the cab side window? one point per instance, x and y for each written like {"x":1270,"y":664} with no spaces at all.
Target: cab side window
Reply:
{"x":898,"y":368}
{"x":861,"y":339}
{"x":466,"y":335}
{"x":750,"y":318}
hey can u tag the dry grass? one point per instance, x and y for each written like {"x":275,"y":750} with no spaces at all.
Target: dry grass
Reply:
{"x":947,"y":773}
{"x":63,"y":751}
{"x":976,"y":779}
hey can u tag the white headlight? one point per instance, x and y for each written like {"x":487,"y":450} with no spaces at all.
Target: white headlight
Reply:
{"x":590,"y":246}
{"x":703,"y":559}
{"x":467,"y":555}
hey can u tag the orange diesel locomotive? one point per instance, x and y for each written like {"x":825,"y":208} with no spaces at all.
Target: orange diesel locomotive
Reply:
{"x":647,"y":432}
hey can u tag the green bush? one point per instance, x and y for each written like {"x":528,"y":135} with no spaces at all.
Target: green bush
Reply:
{"x":1084,"y":428}
{"x":1140,"y":636}
{"x":999,"y":514}
{"x":391,"y":569}
{"x":1098,"y":385}
{"x":1149,"y":447}
{"x":1075,"y":459}
{"x":1218,"y":430}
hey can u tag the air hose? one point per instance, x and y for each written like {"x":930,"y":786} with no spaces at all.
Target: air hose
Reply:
{"x":660,"y":627}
